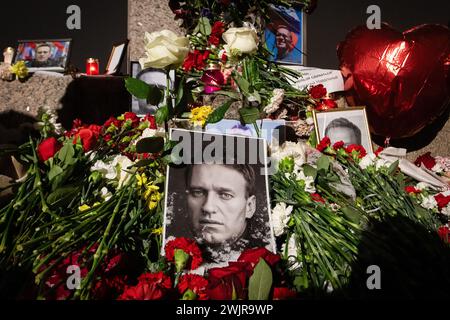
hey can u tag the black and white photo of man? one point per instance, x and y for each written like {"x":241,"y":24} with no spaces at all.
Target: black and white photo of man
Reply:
{"x":224,"y":207}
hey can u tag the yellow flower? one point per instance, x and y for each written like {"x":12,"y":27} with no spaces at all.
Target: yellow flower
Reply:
{"x":157,"y":231}
{"x":141,"y":179}
{"x":20,"y":69}
{"x":152,"y":196}
{"x":83,"y":208}
{"x":200,"y":114}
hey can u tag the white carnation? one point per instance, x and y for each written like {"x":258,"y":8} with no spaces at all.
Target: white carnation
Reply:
{"x":309,"y":181}
{"x":429,"y":203}
{"x":280,"y":217}
{"x":367,"y":161}
{"x":290,"y":149}
{"x":382,"y":163}
{"x":122,"y":164}
{"x":423,"y":186}
{"x":107,"y":170}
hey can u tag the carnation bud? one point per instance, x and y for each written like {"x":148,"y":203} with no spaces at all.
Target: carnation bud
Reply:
{"x":181,"y":259}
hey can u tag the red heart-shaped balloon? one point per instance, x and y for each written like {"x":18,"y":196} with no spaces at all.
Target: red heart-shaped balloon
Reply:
{"x":402,"y":78}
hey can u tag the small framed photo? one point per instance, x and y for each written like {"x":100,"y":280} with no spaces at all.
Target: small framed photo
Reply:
{"x":150,"y":76}
{"x":349,"y":125}
{"x":220,"y":199}
{"x":116,"y":57}
{"x":44,"y":55}
{"x":285,"y":35}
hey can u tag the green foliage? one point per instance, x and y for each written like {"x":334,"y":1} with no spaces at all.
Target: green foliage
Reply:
{"x":260,"y":282}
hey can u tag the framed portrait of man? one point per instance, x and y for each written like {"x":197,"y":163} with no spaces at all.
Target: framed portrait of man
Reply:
{"x":44,"y":55}
{"x":217,"y":194}
{"x":156,"y":77}
{"x":349,"y":125}
{"x":285,"y":35}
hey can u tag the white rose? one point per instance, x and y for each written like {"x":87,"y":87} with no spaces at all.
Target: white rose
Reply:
{"x":280,"y":217}
{"x":163,"y":49}
{"x":243,"y":39}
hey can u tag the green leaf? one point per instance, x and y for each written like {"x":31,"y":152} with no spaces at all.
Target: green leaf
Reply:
{"x":62,"y":196}
{"x":137,"y":88}
{"x":243,"y":84}
{"x":155,"y":95}
{"x":219,"y":113}
{"x":393,"y":167}
{"x":66,"y":154}
{"x":204,"y":26}
{"x":231,"y":94}
{"x":310,"y":171}
{"x":54,"y":171}
{"x":249,"y":115}
{"x":352,"y":214}
{"x":150,"y":145}
{"x":162,"y":115}
{"x":323,"y":163}
{"x":260,"y":282}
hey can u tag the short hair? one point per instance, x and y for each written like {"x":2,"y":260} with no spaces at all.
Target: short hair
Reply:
{"x":245,"y":170}
{"x":44,"y":45}
{"x":344,"y":123}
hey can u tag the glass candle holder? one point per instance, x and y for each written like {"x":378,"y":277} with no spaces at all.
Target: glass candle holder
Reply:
{"x":213,"y":79}
{"x":8,"y":55}
{"x":92,"y":67}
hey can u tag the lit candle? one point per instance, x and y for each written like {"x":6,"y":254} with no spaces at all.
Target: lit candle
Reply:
{"x":92,"y":67}
{"x":212,"y":78}
{"x":8,"y":55}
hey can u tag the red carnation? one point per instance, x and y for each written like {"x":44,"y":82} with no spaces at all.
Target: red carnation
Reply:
{"x":318,"y":92}
{"x":444,"y":234}
{"x":252,"y":256}
{"x":88,"y":138}
{"x":151,"y":286}
{"x":189,"y":247}
{"x":411,"y":189}
{"x":326,"y":104}
{"x":195,"y":283}
{"x":317,"y":198}
{"x":378,"y":151}
{"x":151,"y":120}
{"x":442,"y":201}
{"x":47,"y":148}
{"x":427,"y":160}
{"x":228,"y":282}
{"x":76,"y":124}
{"x":281,"y":293}
{"x":356,"y":149}
{"x":338,"y":145}
{"x":132,"y":117}
{"x":324,"y":143}
{"x":195,"y":60}
{"x":117,"y":123}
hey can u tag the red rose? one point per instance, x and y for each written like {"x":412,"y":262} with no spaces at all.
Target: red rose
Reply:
{"x":281,"y":293}
{"x":338,"y":145}
{"x":444,"y":234}
{"x":252,"y":257}
{"x":324,"y":143}
{"x":411,"y":189}
{"x":151,"y":286}
{"x":47,"y":148}
{"x":195,"y":283}
{"x":356,"y":149}
{"x":317,"y":198}
{"x":88,"y":139}
{"x":114,"y":121}
{"x":151,"y":120}
{"x":223,"y":281}
{"x":427,"y":160}
{"x":442,"y":201}
{"x":187,"y":245}
{"x":318,"y":92}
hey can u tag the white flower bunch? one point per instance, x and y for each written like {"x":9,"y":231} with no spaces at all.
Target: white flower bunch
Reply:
{"x":280,"y":217}
{"x":49,"y":121}
{"x":371,"y":160}
{"x":117,"y":170}
{"x":297,"y":151}
{"x":275,"y":101}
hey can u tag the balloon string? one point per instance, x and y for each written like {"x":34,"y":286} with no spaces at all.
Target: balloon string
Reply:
{"x":387,"y":141}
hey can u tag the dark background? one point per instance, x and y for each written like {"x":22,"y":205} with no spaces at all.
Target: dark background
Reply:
{"x":103,"y":23}
{"x":332,"y":19}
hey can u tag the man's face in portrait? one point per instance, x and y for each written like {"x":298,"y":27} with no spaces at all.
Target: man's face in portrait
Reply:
{"x":283,"y":39}
{"x":43,"y":53}
{"x":347,"y":135}
{"x":218,"y":203}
